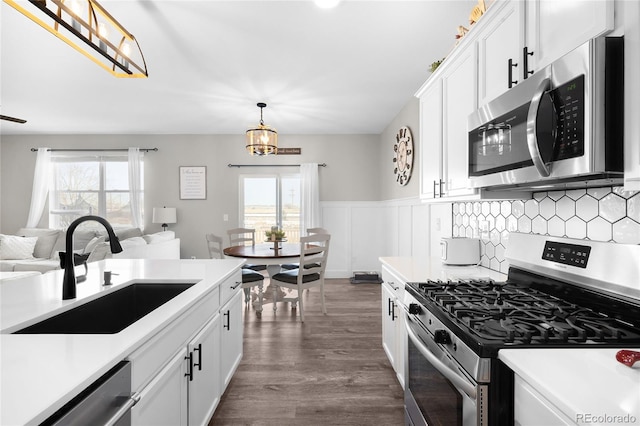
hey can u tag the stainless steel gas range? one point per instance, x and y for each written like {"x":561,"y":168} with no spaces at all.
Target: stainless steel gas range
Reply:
{"x":560,"y":293}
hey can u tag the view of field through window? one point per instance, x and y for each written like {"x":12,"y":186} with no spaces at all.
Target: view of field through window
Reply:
{"x":272,"y":201}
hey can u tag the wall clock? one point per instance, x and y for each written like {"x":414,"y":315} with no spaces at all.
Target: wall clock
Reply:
{"x":403,"y":156}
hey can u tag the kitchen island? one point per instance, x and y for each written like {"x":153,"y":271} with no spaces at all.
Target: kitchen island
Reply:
{"x":42,"y":372}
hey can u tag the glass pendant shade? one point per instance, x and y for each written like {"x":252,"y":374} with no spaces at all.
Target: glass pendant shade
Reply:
{"x":262,"y":139}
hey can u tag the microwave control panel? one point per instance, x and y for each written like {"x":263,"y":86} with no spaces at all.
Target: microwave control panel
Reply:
{"x":568,"y":101}
{"x":568,"y":254}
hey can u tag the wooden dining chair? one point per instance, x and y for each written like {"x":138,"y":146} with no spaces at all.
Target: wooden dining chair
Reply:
{"x":310,"y":231}
{"x":250,"y":278}
{"x":242,"y":236}
{"x":314,"y":250}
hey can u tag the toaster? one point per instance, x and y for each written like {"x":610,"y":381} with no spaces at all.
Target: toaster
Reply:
{"x":460,"y":251}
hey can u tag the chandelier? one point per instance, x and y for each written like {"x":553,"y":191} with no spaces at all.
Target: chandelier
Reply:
{"x":87,"y":27}
{"x":262,"y":139}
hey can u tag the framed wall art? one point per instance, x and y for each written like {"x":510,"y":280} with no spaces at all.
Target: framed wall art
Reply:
{"x":193,"y":182}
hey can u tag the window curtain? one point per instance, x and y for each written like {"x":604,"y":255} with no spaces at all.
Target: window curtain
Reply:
{"x":135,"y":186}
{"x":41,"y":178}
{"x":309,"y":197}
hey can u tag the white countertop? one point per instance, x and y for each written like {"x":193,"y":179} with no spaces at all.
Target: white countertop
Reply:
{"x":580,"y":381}
{"x":414,"y":269}
{"x":40,"y":373}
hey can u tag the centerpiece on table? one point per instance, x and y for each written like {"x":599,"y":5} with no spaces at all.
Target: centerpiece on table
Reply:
{"x":275,"y":234}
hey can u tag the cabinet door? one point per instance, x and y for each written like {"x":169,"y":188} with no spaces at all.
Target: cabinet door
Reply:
{"x":164,"y":400}
{"x":401,"y":342}
{"x":430,"y":149}
{"x":502,"y":40}
{"x":459,"y":94}
{"x":555,"y":28}
{"x":231,"y":339}
{"x":388,"y":324}
{"x":204,"y":388}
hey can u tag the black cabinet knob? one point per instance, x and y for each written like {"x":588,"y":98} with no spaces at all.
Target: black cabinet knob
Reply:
{"x":442,"y":336}
{"x":415,"y":309}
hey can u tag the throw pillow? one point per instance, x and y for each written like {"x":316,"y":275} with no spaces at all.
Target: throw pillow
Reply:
{"x":91,"y":245}
{"x":99,"y":252}
{"x":17,"y":248}
{"x":126,"y":233}
{"x":159,"y":237}
{"x":46,"y":240}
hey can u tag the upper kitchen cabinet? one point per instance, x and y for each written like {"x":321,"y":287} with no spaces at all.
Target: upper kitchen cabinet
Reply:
{"x":631,"y":103}
{"x":499,"y":49}
{"x":554,"y":28}
{"x":431,"y":141}
{"x":518,"y":38}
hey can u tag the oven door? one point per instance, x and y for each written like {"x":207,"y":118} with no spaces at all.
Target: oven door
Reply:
{"x":438,"y":390}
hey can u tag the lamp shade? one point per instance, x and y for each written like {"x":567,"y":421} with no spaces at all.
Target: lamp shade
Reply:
{"x":164,"y":215}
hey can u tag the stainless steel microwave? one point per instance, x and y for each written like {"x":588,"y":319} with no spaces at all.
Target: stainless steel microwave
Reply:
{"x":561,"y":127}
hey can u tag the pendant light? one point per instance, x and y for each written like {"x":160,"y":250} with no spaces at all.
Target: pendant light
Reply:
{"x":262,"y":139}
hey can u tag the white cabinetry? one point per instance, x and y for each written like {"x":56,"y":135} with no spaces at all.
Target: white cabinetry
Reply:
{"x":231,"y":338}
{"x":164,"y":400}
{"x":631,"y":12}
{"x":204,"y":372}
{"x":555,"y":28}
{"x":181,"y":372}
{"x":499,"y":48}
{"x":394,"y":335}
{"x":531,"y":408}
{"x":431,"y":140}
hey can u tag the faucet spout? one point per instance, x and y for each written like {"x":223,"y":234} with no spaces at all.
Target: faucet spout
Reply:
{"x":67,"y":258}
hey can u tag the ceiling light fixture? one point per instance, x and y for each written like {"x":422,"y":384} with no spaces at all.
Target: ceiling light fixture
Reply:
{"x":327,"y":4}
{"x":103,"y":39}
{"x":262,"y":140}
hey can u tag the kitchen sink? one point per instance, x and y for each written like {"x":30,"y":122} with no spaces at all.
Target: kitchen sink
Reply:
{"x":110,"y":313}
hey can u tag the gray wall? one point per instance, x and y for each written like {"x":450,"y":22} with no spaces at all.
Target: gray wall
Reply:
{"x":389,"y":189}
{"x":351,"y":174}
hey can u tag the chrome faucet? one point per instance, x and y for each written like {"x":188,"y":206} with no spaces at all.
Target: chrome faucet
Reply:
{"x":67,"y":258}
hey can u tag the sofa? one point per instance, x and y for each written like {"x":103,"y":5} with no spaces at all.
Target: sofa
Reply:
{"x":36,"y":249}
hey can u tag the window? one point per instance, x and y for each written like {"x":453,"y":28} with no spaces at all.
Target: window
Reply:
{"x":90,"y":185}
{"x":271,"y":200}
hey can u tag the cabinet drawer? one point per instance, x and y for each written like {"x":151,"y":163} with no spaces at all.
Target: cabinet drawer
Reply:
{"x":230,"y":286}
{"x":150,"y":358}
{"x":395,"y":284}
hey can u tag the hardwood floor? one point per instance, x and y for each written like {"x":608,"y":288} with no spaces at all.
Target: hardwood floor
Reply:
{"x":331,"y":370}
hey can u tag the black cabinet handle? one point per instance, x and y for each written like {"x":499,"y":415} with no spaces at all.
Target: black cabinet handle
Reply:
{"x":389,"y":306}
{"x":525,"y":62}
{"x":199,"y":363}
{"x":435,"y":194}
{"x":233,"y":287}
{"x":441,"y":191}
{"x":511,"y":67}
{"x":228,"y":324}
{"x":393,"y":312}
{"x":189,"y":373}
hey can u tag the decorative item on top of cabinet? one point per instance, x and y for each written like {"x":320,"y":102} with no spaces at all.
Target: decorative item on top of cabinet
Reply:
{"x":403,"y":156}
{"x":477,"y":11}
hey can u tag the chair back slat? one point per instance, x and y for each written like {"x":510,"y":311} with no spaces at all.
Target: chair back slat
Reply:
{"x":214,"y":244}
{"x":313,"y":254}
{"x":241,"y":236}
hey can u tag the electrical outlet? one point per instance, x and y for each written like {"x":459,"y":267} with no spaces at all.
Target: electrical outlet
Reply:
{"x":438,"y":224}
{"x":225,"y":217}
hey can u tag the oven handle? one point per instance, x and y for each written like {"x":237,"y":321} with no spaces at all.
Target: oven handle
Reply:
{"x":532,"y":137}
{"x":447,"y":372}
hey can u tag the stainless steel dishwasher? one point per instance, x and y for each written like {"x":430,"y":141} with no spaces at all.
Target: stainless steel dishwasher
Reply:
{"x":107,"y":401}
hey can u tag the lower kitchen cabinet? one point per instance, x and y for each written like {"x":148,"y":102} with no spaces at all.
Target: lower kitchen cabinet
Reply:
{"x":532,"y":409}
{"x":182,"y":372}
{"x":164,"y":400}
{"x":394,"y":335}
{"x":231,"y":338}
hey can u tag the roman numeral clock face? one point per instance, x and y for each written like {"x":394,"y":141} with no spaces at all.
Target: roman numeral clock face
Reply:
{"x":403,"y":156}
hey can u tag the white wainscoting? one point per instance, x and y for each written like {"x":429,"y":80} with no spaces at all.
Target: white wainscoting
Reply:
{"x":362,"y":231}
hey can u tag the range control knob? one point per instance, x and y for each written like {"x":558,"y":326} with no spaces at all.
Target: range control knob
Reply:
{"x":442,"y":336}
{"x":415,"y":309}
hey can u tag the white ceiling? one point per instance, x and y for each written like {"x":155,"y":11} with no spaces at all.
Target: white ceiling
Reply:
{"x":347,"y":70}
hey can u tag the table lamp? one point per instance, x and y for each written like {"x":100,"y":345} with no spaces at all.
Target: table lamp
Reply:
{"x":164,"y":215}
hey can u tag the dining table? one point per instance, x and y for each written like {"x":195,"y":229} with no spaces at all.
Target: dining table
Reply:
{"x":273,"y":255}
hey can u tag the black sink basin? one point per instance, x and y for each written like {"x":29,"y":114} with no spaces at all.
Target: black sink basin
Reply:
{"x":111,"y":313}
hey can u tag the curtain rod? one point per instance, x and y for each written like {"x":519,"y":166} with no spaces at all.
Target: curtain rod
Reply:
{"x":270,"y":165}
{"x":95,"y":150}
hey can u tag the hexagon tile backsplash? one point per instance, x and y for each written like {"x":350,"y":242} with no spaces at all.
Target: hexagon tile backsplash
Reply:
{"x":600,"y":214}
